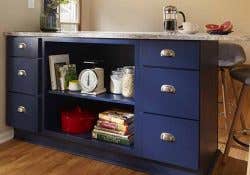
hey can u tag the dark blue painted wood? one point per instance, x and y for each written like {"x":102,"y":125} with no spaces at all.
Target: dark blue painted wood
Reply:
{"x":162,"y":110}
{"x":187,"y":54}
{"x":106,"y":97}
{"x":136,"y":163}
{"x":31,"y":50}
{"x":183,"y":152}
{"x":184,"y":103}
{"x":27,"y":120}
{"x":24,"y":84}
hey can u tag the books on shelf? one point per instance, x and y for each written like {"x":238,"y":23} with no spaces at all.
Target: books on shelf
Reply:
{"x":111,"y":138}
{"x":115,"y":127}
{"x":117,"y":117}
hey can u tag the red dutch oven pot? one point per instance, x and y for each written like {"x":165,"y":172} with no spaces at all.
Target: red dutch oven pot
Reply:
{"x":77,"y":121}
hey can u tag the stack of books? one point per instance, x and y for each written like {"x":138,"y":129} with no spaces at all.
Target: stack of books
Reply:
{"x":115,"y":127}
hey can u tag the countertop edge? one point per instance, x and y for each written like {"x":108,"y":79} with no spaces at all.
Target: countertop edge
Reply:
{"x":135,"y":35}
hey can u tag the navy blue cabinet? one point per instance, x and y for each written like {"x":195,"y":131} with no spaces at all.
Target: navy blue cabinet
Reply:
{"x":170,"y":140}
{"x":22,"y":111}
{"x":171,"y":54}
{"x":175,"y":100}
{"x":23,"y":75}
{"x":158,"y":98}
{"x":23,"y":83}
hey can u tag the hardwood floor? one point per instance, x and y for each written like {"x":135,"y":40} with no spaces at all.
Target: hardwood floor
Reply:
{"x":21,"y":158}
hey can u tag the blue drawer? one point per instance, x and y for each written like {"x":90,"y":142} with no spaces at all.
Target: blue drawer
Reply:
{"x":22,"y":47}
{"x":22,"y":112}
{"x":156,"y":95}
{"x":170,"y":140}
{"x":186,"y":54}
{"x":23,"y":75}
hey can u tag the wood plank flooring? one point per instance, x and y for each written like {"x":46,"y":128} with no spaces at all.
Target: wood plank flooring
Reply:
{"x":21,"y":158}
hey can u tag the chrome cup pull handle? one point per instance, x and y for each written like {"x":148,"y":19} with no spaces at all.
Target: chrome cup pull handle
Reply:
{"x":22,"y":46}
{"x":168,"y":89}
{"x":167,"y":137}
{"x":21,"y":109}
{"x":21,"y":73}
{"x":168,"y":53}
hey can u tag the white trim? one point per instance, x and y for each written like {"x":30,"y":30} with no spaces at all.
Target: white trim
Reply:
{"x":6,"y":135}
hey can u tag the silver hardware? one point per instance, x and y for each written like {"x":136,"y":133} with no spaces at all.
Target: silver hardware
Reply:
{"x":21,"y":73}
{"x":167,"y":137}
{"x":168,"y":89}
{"x":168,"y":53}
{"x":22,"y":46}
{"x":21,"y":109}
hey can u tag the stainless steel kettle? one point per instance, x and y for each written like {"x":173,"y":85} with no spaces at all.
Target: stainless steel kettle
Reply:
{"x":170,"y":16}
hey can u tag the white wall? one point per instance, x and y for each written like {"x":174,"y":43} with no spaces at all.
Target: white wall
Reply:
{"x":14,"y":16}
{"x":146,"y":15}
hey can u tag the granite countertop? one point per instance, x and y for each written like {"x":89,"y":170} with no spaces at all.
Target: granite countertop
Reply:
{"x":136,"y":35}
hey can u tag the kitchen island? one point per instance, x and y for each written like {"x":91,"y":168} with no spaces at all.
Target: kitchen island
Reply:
{"x":175,"y":101}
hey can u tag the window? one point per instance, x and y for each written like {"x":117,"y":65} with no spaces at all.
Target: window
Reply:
{"x":70,"y":16}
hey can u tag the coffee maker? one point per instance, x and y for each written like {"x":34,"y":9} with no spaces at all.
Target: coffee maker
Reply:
{"x":170,"y":16}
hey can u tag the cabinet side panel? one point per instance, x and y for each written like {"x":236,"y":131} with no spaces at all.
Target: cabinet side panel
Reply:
{"x":208,"y":103}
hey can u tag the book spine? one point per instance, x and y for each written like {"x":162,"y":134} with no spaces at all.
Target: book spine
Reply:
{"x":113,"y":134}
{"x":111,"y":119}
{"x":112,"y":131}
{"x":113,"y":126}
{"x":110,"y":138}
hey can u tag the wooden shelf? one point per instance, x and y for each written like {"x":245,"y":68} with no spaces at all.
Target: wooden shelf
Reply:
{"x":87,"y":140}
{"x":106,"y":97}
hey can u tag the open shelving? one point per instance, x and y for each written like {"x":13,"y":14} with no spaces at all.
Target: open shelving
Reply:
{"x":114,"y":56}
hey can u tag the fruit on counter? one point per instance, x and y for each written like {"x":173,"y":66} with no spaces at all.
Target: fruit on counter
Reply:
{"x":227,"y":26}
{"x":212,"y":27}
{"x":224,"y":28}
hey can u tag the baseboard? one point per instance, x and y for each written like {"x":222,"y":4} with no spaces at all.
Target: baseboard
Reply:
{"x":6,"y":135}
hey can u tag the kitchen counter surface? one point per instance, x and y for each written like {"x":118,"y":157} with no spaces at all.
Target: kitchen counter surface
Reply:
{"x":136,"y":35}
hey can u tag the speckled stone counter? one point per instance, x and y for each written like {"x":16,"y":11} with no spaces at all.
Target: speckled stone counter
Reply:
{"x":135,"y":35}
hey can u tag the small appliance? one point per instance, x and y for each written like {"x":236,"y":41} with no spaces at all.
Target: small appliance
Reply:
{"x":170,"y":16}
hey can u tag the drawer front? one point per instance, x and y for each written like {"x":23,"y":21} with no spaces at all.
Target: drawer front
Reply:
{"x":23,"y":75}
{"x":23,"y":47}
{"x":22,"y":112}
{"x":172,"y":54}
{"x":170,"y":92}
{"x":170,"y":140}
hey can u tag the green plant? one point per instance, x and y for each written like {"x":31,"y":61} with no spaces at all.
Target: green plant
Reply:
{"x":53,"y":4}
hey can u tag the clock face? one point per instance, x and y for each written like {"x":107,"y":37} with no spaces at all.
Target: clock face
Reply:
{"x":88,"y":80}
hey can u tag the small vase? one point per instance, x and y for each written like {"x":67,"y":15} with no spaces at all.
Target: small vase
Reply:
{"x":49,"y":18}
{"x":50,"y":22}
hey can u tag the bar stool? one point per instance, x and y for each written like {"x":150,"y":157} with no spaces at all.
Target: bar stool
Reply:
{"x":230,"y":56}
{"x":241,"y":74}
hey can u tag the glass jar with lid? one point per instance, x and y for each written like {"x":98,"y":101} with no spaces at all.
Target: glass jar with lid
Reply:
{"x":128,"y":81}
{"x":116,"y":81}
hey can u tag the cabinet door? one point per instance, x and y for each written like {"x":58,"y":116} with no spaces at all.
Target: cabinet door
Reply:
{"x":22,"y":112}
{"x":170,"y":140}
{"x":170,"y":54}
{"x":22,"y":75}
{"x":22,"y":47}
{"x":170,"y":92}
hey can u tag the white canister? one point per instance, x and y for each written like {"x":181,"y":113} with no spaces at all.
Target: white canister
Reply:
{"x":128,"y":82}
{"x":116,"y":82}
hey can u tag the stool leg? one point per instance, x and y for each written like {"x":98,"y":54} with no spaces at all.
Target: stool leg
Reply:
{"x":242,"y":119}
{"x":224,"y":92}
{"x":236,"y":118}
